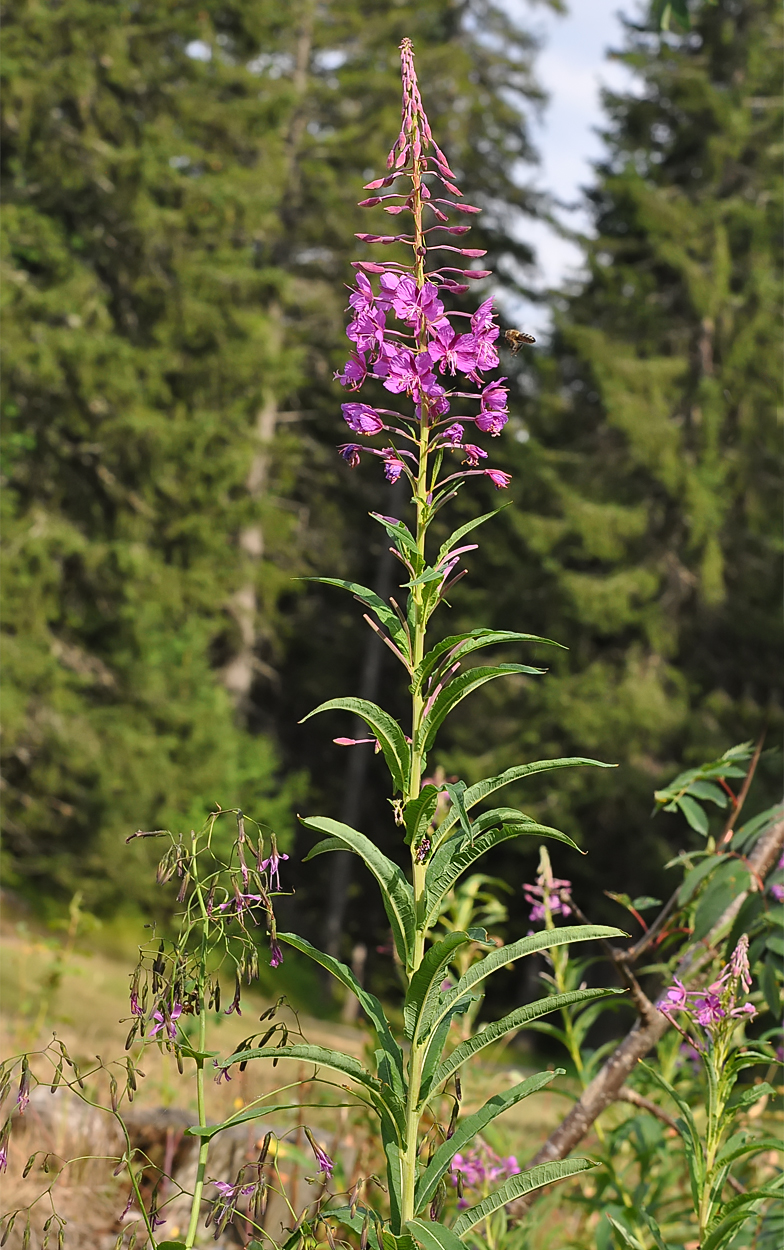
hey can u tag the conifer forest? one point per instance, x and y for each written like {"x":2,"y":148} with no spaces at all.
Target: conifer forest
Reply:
{"x":198,"y":209}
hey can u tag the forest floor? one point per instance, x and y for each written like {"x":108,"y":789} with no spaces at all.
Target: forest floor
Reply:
{"x":79,"y":993}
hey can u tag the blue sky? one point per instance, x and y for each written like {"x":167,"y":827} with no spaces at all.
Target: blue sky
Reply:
{"x":571,"y":66}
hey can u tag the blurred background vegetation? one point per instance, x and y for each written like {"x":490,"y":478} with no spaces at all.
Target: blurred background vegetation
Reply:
{"x":180,"y":190}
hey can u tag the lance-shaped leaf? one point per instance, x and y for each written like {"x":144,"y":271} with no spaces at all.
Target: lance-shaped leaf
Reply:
{"x":383,"y":611}
{"x":456,"y":791}
{"x":390,"y":736}
{"x":398,"y":530}
{"x":462,"y":530}
{"x":418,"y":813}
{"x":457,"y":690}
{"x":368,"y":1002}
{"x":396,"y":893}
{"x":434,"y":1236}
{"x":517,"y":1019}
{"x":382,"y":1096}
{"x":481,"y":789}
{"x":461,"y":645}
{"x":455,"y":855}
{"x":468,"y":1128}
{"x":424,"y":989}
{"x":544,"y":940}
{"x":517,"y":1186}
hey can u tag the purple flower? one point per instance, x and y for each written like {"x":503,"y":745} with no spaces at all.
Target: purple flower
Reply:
{"x":362,"y":419}
{"x":166,"y":1021}
{"x":3,"y":1159}
{"x":453,"y":433}
{"x":156,"y":1220}
{"x":350,"y":453}
{"x":499,"y":479}
{"x":367,"y":330}
{"x":135,"y":1008}
{"x":240,"y":903}
{"x":393,"y":467}
{"x":708,"y":1010}
{"x":482,"y":319}
{"x":354,"y":372}
{"x":777,"y":891}
{"x":404,"y":371}
{"x":325,"y":1164}
{"x":276,"y":954}
{"x":556,"y":890}
{"x":455,"y":351}
{"x":362,"y":300}
{"x":677,"y":996}
{"x":739,"y":962}
{"x":23,"y":1097}
{"x":273,"y":864}
{"x":474,"y":454}
{"x":416,"y":305}
{"x":493,"y":415}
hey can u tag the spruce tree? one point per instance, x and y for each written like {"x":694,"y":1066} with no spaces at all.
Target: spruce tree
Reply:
{"x":645,"y":533}
{"x":143,"y":173}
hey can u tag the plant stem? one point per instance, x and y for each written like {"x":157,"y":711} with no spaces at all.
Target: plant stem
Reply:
{"x":204,"y":1144}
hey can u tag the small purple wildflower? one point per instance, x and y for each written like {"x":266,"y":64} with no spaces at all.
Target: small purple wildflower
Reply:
{"x":23,"y":1097}
{"x":777,"y":891}
{"x":276,"y":954}
{"x":362,"y":419}
{"x":273,"y":864}
{"x":325,"y":1164}
{"x":499,"y":479}
{"x":553,"y":894}
{"x":708,"y":1009}
{"x":166,"y":1021}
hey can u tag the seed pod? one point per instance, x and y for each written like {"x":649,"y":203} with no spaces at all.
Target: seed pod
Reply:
{"x":183,"y":888}
{"x":58,"y":1076}
{"x":113,"y":1092}
{"x":458,"y":1089}
{"x":45,"y":1164}
{"x":363,"y":1240}
{"x":216,"y":996}
{"x":8,"y":1229}
{"x":131,"y":1073}
{"x":265,"y":1145}
{"x":28,"y":1166}
{"x":132,"y":1242}
{"x":26,"y":1235}
{"x":119,"y":1241}
{"x":178,"y":1057}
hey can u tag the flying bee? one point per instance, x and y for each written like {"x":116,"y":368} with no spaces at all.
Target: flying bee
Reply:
{"x":517,"y":338}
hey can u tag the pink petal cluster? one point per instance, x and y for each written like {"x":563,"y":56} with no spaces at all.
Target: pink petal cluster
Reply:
{"x":720,"y":1001}
{"x":554,"y":895}
{"x":402,"y":334}
{"x":479,"y":1167}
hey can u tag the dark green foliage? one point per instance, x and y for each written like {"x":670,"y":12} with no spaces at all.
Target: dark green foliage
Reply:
{"x":141,"y":342}
{"x":646,"y":531}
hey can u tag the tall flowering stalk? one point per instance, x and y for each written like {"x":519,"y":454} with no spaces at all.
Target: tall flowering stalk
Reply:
{"x":435,"y":365}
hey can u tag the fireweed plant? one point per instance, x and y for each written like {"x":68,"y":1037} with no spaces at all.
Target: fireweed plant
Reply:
{"x":403,"y":335}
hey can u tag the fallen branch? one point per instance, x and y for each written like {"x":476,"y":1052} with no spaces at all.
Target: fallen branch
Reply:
{"x":605,"y":1088}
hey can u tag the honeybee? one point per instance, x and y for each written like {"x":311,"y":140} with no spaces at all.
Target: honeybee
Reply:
{"x":517,"y":338}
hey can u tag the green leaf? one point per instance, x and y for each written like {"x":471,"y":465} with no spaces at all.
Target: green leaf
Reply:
{"x":462,"y":530}
{"x":770,"y":986}
{"x":468,"y":1128}
{"x":368,"y":1002}
{"x":387,"y":617}
{"x":434,"y":1236}
{"x":418,"y":813}
{"x":545,"y":939}
{"x":396,"y":893}
{"x":729,"y":880}
{"x":625,"y":1235}
{"x":399,"y":531}
{"x":708,"y":792}
{"x":462,"y":685}
{"x":481,"y":789}
{"x":472,"y":640}
{"x":694,"y":814}
{"x":696,"y":875}
{"x":180,"y":1245}
{"x":382,"y":1095}
{"x":524,"y":1183}
{"x":454,"y":856}
{"x":734,"y":1212}
{"x":456,"y":792}
{"x":517,"y":1019}
{"x":390,"y":736}
{"x":425,"y":987}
